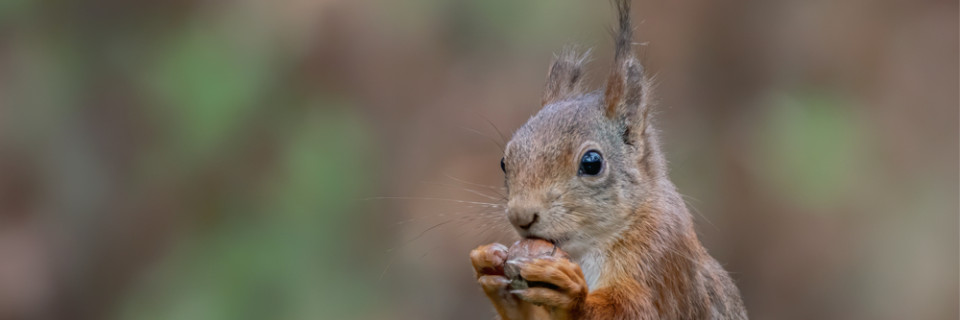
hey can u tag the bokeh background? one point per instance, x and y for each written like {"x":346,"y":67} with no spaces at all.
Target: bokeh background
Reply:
{"x":299,"y":159}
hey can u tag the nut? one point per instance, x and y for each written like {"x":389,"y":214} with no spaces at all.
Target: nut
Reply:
{"x":528,"y":249}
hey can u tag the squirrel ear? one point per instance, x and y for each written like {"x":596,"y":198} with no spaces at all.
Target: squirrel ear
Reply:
{"x":565,"y":75}
{"x":628,"y":90}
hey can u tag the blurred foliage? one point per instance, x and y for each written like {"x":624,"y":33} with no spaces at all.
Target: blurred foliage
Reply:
{"x":813,"y":148}
{"x":204,"y":160}
{"x":209,"y":79}
{"x":273,"y":259}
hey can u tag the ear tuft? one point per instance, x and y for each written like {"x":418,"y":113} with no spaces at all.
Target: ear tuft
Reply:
{"x":565,"y":76}
{"x":628,"y":89}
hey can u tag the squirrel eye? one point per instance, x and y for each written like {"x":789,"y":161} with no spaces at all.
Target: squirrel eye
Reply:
{"x":591,"y":163}
{"x":503,"y":166}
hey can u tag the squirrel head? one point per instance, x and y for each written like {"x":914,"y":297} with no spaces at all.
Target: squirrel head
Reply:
{"x":578,"y":171}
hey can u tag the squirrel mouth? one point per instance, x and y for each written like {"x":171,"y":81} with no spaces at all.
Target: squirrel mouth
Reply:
{"x":556,"y":241}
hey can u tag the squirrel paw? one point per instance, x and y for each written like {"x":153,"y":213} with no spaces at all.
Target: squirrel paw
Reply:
{"x":555,"y":283}
{"x":488,"y":259}
{"x":488,"y":264}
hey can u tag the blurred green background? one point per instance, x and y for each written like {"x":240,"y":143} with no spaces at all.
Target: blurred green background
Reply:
{"x":294,"y":159}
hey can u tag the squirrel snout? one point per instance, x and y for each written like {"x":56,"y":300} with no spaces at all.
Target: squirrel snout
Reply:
{"x":523,"y":217}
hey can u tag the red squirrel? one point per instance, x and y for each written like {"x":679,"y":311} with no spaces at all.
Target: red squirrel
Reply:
{"x":587,"y":175}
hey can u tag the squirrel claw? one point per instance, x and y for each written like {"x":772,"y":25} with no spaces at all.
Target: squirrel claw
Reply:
{"x":488,"y":259}
{"x":566,"y":288}
{"x":493,"y":284}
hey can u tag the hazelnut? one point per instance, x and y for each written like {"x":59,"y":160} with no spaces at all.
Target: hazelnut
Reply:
{"x":528,"y":249}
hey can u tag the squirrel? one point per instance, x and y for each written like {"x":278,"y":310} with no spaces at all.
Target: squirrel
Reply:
{"x":586,"y":173}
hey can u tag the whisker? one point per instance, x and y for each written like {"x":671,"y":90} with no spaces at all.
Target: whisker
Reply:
{"x":461,"y":216}
{"x":486,"y":204}
{"x":476,"y":192}
{"x":502,"y":137}
{"x":500,"y":145}
{"x":402,"y":222}
{"x":424,"y":255}
{"x":696,"y":211}
{"x":490,"y":220}
{"x":389,"y":263}
{"x":490,"y":226}
{"x":689,"y":197}
{"x":486,"y":216}
{"x":427,"y":230}
{"x":491,"y":188}
{"x":501,"y":198}
{"x":473,"y":232}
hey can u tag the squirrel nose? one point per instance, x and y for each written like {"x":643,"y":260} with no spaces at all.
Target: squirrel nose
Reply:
{"x":524,"y":217}
{"x":526,"y":224}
